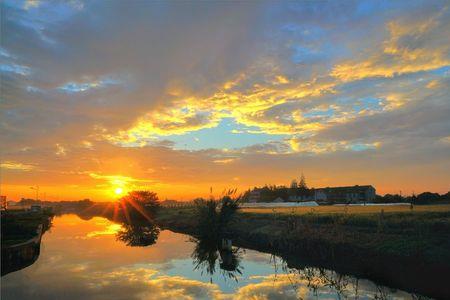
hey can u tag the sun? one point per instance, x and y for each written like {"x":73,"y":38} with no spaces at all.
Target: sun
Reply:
{"x":118,"y":191}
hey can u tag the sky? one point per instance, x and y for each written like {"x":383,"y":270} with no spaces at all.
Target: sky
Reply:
{"x":99,"y":98}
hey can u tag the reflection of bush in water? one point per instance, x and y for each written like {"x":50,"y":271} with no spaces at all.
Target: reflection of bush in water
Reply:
{"x":207,"y":252}
{"x":213,"y":218}
{"x":139,"y":235}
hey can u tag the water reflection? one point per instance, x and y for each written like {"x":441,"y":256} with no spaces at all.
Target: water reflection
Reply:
{"x":84,"y":260}
{"x":207,"y":253}
{"x":138,"y":235}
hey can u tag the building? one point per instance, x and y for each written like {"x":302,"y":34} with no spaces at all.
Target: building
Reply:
{"x":278,"y":200}
{"x":328,"y":195}
{"x":35,"y":208}
{"x":302,"y":195}
{"x":346,"y":194}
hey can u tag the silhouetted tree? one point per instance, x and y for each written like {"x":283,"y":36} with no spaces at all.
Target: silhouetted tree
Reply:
{"x":143,"y":203}
{"x":294,"y":184}
{"x":427,"y":197}
{"x":302,"y":184}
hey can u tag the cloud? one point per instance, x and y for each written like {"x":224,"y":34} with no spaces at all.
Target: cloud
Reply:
{"x":129,"y":183}
{"x":413,"y":46}
{"x":224,"y":160}
{"x":31,"y":4}
{"x":309,"y":146}
{"x":169,"y":122}
{"x":11,"y":165}
{"x":17,"y":69}
{"x":76,"y":87}
{"x":60,"y":150}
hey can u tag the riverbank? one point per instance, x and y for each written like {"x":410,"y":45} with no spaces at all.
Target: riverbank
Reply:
{"x":407,"y":250}
{"x":21,"y":238}
{"x":19,"y":226}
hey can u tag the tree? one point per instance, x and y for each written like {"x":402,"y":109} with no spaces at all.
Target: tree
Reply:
{"x":294,"y":184}
{"x":143,"y":198}
{"x":144,"y":203}
{"x":428,"y":197}
{"x":302,"y":183}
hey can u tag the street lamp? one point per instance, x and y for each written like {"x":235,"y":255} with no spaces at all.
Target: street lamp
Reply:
{"x":36,"y":188}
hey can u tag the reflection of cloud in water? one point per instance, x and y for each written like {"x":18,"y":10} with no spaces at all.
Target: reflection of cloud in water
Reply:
{"x":110,"y":229}
{"x":293,"y":286}
{"x":141,"y":283}
{"x":124,"y":283}
{"x":251,"y":255}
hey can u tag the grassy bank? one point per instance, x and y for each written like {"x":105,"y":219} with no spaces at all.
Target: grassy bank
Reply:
{"x":357,"y":209}
{"x":408,"y":249}
{"x":423,"y":233}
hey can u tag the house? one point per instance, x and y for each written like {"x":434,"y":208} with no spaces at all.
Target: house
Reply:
{"x":278,"y":200}
{"x":302,"y":195}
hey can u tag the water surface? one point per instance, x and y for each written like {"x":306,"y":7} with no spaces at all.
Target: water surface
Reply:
{"x":94,"y":259}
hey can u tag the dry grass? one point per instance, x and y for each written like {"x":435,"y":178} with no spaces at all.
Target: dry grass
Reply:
{"x":330,"y":209}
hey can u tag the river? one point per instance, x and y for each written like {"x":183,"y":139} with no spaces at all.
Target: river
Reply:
{"x":98,"y":259}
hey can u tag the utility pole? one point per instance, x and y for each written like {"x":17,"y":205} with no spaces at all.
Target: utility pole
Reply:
{"x":36,"y":188}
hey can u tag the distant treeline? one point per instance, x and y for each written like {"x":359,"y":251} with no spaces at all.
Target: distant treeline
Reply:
{"x":423,"y":198}
{"x":270,"y":192}
{"x":57,"y":204}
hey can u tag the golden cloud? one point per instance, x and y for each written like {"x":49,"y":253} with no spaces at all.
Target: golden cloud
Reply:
{"x":224,"y":160}
{"x":117,"y":179}
{"x":408,"y":50}
{"x":170,"y":121}
{"x":310,"y":146}
{"x":60,"y":150}
{"x":247,"y":107}
{"x":11,"y":165}
{"x":433,"y":84}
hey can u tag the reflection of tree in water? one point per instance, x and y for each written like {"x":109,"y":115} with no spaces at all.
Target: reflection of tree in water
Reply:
{"x":207,"y":252}
{"x":316,"y":279}
{"x":138,"y":235}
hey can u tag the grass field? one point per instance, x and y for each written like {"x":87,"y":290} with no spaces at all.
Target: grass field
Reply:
{"x":331,"y":209}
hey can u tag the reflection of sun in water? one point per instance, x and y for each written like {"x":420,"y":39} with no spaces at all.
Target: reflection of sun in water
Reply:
{"x":118,"y":191}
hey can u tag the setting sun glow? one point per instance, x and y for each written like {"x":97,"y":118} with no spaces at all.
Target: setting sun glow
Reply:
{"x":118,"y":191}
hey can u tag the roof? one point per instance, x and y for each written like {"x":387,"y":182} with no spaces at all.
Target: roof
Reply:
{"x":347,"y":188}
